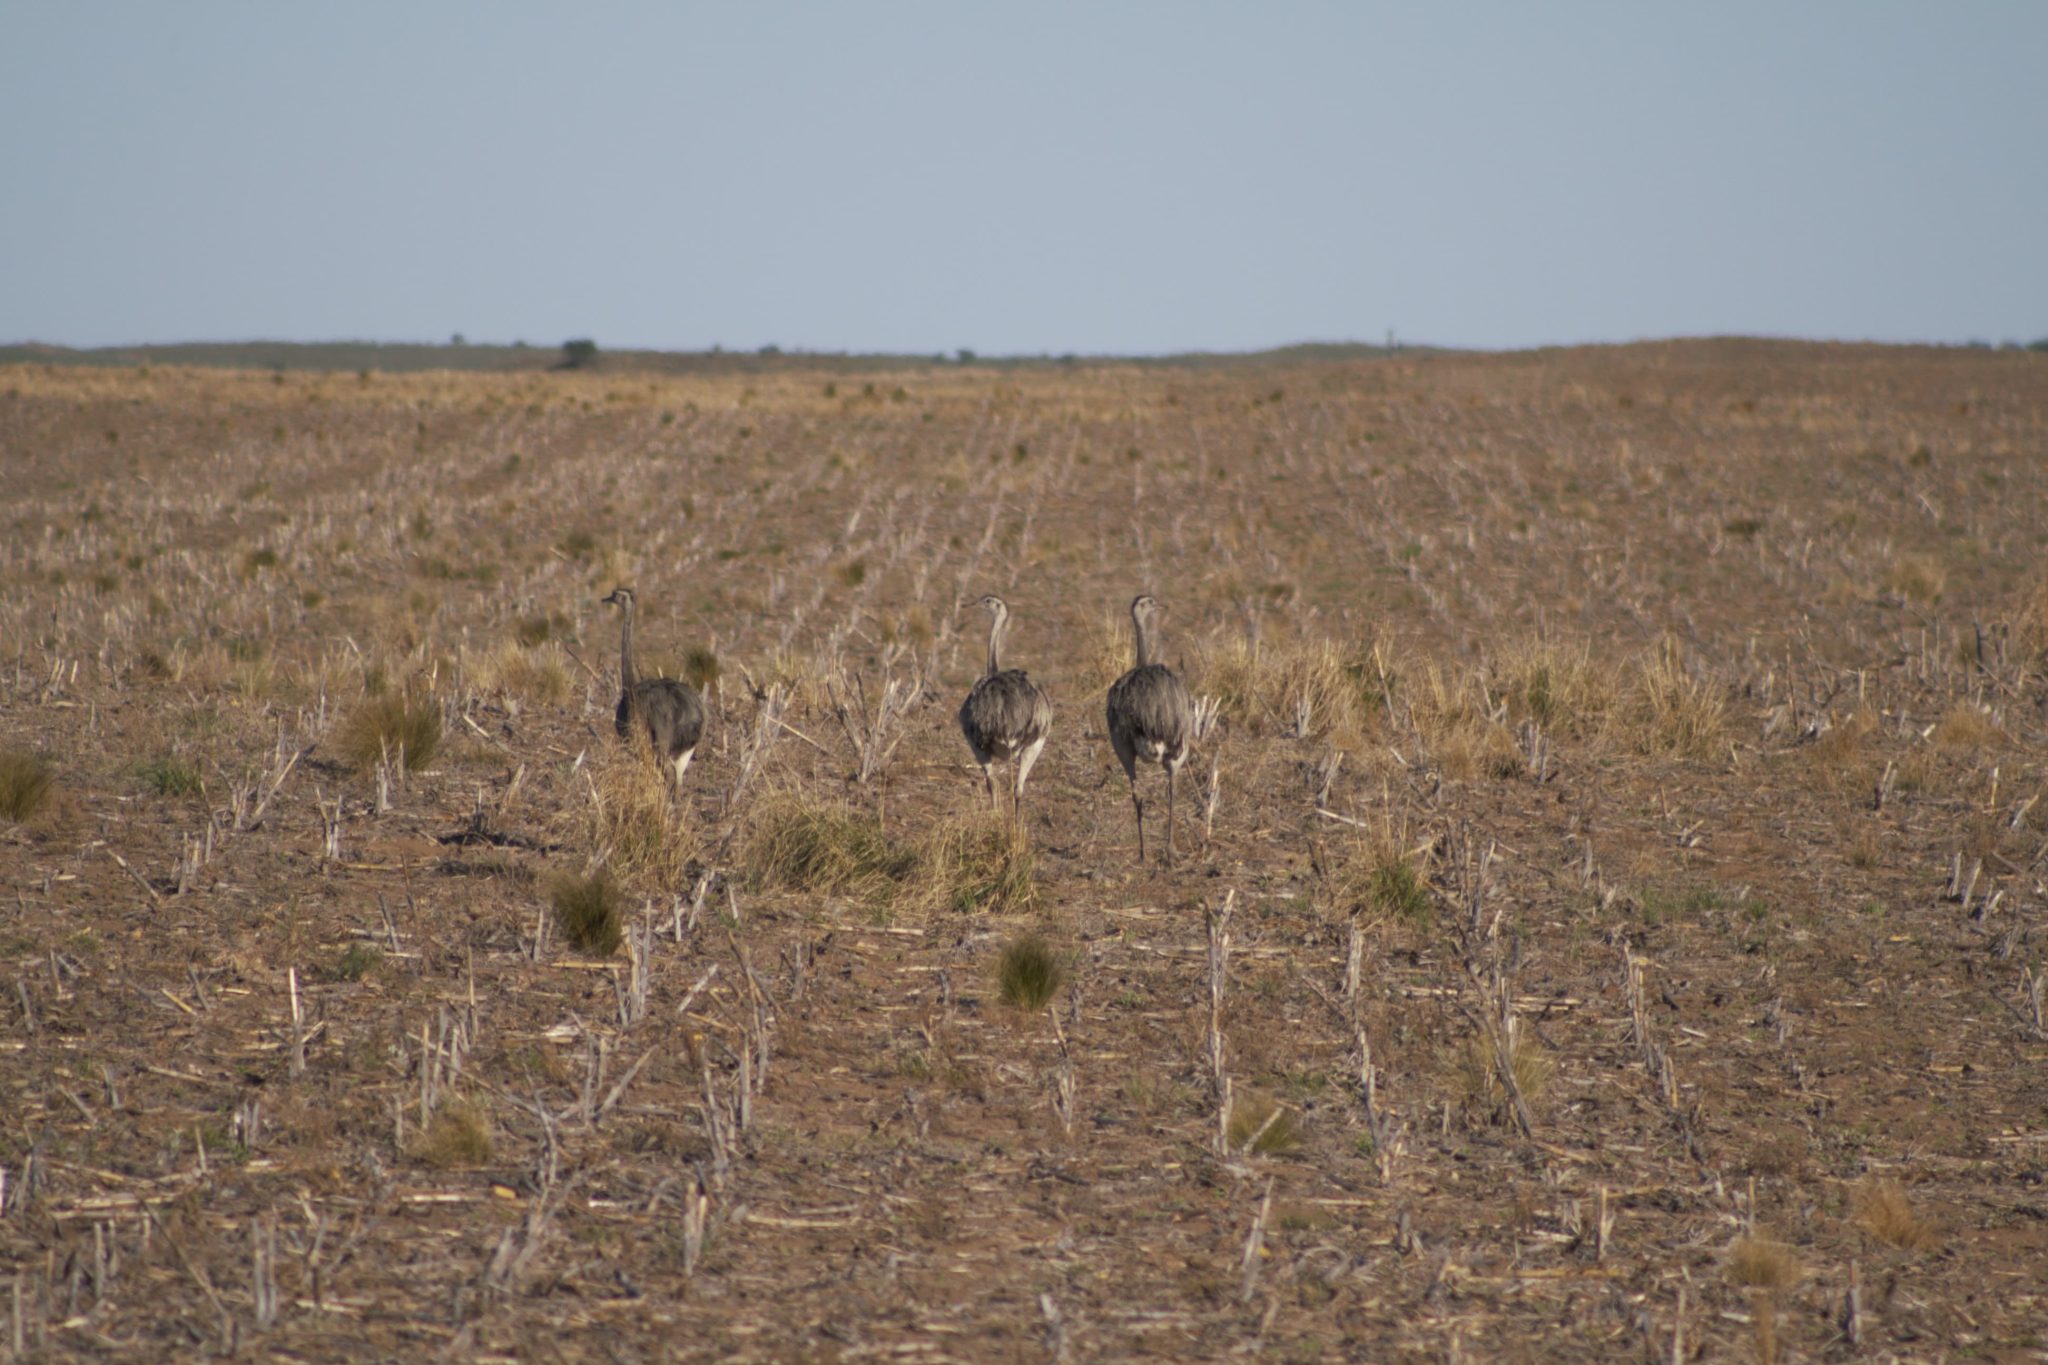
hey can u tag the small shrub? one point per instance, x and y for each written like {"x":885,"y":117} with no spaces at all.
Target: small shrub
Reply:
{"x":25,"y":782}
{"x":1251,"y":1113}
{"x":588,"y":912}
{"x":1029,"y":973}
{"x":170,"y":775}
{"x":1883,"y":1210}
{"x":456,"y":1136}
{"x":393,"y":725}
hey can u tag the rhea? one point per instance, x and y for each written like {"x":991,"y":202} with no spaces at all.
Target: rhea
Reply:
{"x":1006,"y":716}
{"x":668,"y":712}
{"x":1151,"y":719}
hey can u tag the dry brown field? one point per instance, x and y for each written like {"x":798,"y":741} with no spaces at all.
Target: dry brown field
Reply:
{"x":1609,"y":921}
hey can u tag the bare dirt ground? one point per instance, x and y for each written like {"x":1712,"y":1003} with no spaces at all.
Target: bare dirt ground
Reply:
{"x":1628,"y":762}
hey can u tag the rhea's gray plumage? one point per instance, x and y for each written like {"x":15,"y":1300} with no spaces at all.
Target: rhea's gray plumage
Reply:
{"x":1006,"y":716}
{"x":666,"y":711}
{"x":1151,"y":719}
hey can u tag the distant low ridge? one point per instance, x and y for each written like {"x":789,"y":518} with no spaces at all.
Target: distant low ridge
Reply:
{"x":521,"y":358}
{"x":397,"y":357}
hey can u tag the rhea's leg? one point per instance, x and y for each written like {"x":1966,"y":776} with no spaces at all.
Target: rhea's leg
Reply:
{"x":1138,"y":805}
{"x":1024,"y":762}
{"x":682,"y":761}
{"x":1172,"y":772}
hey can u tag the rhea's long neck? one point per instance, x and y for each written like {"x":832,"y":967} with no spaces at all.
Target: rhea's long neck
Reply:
{"x":626,"y":674}
{"x":995,"y":644}
{"x":1144,"y":639}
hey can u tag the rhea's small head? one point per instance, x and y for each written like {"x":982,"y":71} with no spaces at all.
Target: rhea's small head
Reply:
{"x":620,"y":597}
{"x":1144,"y":607}
{"x":994,"y":605}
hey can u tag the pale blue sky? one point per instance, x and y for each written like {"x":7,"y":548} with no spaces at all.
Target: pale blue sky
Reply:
{"x":1045,"y":177}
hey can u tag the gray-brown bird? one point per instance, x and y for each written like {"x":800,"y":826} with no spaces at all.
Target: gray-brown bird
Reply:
{"x":1006,"y":716}
{"x":667,"y":711}
{"x":1151,"y":719}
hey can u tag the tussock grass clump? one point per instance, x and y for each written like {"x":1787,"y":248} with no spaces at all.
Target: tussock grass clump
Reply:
{"x":1478,"y":1080}
{"x":1300,"y":688}
{"x":1556,"y":685}
{"x":633,"y":822}
{"x":533,"y":673}
{"x":1917,"y":578}
{"x":981,"y":861}
{"x":455,"y":1137}
{"x":701,"y":670}
{"x":1457,"y":724}
{"x":1671,"y":711}
{"x":809,"y":845}
{"x":1374,"y":879}
{"x":1029,"y":973}
{"x":1966,"y":726}
{"x":25,"y":784}
{"x":1268,"y":1126}
{"x":393,"y":725}
{"x":1759,"y":1263}
{"x":589,"y":911}
{"x":357,"y":961}
{"x":170,"y":775}
{"x":1883,"y":1210}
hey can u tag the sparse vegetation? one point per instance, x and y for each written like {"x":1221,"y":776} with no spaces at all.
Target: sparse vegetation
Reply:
{"x":1683,"y":732}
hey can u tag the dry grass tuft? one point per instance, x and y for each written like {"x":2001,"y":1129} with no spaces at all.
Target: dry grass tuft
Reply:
{"x":1556,"y":685}
{"x":1374,"y":879}
{"x":1966,"y":725}
{"x":589,"y":911}
{"x":1672,"y":711}
{"x":1917,"y":578}
{"x":25,"y":784}
{"x":807,"y":845}
{"x":634,"y":824}
{"x":1252,"y":1112}
{"x":1883,"y":1211}
{"x":1450,"y":715}
{"x":980,"y":861}
{"x":1029,"y":973}
{"x":538,"y":673}
{"x":1478,"y":1081}
{"x":1299,"y":688}
{"x":456,"y":1137}
{"x":393,"y":726}
{"x":1760,"y":1263}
